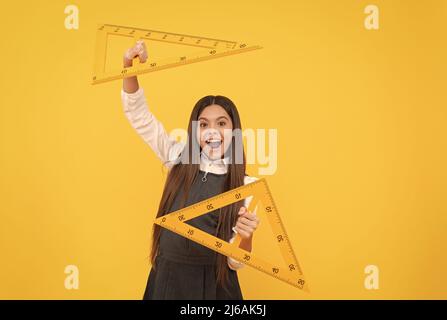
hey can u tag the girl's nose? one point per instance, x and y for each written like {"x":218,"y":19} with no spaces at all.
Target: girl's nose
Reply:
{"x":211,"y":133}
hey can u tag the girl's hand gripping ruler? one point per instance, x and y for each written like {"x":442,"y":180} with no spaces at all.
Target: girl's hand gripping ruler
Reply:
{"x":215,"y":48}
{"x":289,"y":272}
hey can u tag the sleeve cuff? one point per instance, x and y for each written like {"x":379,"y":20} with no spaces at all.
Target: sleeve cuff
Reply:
{"x":133,"y":95}
{"x":234,"y":264}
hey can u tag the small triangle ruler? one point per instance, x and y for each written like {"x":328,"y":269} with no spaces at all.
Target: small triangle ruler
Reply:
{"x":213,"y":48}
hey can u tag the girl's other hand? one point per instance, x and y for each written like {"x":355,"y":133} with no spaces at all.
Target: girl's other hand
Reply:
{"x":246,"y":223}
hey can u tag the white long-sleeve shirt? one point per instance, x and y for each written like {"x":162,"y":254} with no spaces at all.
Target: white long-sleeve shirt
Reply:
{"x":167,"y":148}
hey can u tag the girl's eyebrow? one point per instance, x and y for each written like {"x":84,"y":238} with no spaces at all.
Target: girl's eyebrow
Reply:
{"x":203,"y":118}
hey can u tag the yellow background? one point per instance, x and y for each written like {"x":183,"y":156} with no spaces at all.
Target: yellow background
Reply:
{"x":360,"y":115}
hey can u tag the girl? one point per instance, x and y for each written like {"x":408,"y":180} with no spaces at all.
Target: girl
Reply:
{"x":181,"y":268}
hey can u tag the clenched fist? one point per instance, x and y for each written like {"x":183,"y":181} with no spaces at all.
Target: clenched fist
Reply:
{"x":246,"y":223}
{"x":138,"y":50}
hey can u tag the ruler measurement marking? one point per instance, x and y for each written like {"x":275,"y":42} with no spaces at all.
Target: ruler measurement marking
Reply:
{"x":283,"y":229}
{"x":121,"y":30}
{"x":132,"y":71}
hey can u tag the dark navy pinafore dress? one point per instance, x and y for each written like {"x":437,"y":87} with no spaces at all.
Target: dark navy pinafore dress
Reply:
{"x":185,"y":269}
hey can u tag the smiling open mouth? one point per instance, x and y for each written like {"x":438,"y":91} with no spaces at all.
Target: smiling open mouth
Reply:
{"x":214,"y":143}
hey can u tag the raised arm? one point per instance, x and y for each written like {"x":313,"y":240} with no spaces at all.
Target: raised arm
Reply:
{"x":138,"y":114}
{"x":130,"y":84}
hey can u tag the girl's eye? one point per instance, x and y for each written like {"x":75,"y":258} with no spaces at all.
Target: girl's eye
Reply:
{"x":222,"y":123}
{"x":203,"y":125}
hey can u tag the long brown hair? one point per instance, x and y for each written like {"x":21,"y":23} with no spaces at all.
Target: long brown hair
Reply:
{"x":186,"y":169}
